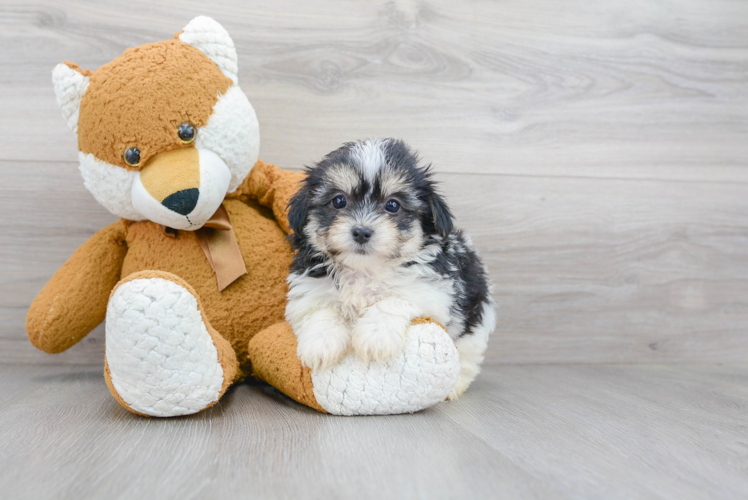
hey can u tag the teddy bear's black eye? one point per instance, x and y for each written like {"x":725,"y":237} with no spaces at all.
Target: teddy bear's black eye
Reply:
{"x":392,"y":206}
{"x":187,"y":132}
{"x":132,"y":157}
{"x":339,"y":202}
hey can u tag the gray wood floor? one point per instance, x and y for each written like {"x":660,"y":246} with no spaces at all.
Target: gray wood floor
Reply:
{"x":596,"y":152}
{"x":530,"y":431}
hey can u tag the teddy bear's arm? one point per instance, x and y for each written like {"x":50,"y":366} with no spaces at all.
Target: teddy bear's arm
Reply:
{"x":74,"y":301}
{"x":270,"y":187}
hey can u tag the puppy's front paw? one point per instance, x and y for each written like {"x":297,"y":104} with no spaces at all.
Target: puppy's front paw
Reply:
{"x":379,"y":337}
{"x":322,"y":344}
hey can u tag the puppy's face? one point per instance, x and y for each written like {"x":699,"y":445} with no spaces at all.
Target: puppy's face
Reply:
{"x":367,"y":204}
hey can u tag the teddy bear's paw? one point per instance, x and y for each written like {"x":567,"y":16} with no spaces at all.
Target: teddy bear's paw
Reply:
{"x":161,"y":357}
{"x":423,"y":374}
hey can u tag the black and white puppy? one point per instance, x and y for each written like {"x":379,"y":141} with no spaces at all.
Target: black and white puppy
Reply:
{"x":375,"y":249}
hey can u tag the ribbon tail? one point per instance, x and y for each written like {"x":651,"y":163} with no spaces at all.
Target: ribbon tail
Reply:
{"x":222,"y":251}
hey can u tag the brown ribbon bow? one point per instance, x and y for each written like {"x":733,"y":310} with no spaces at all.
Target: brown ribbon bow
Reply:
{"x":218,"y":241}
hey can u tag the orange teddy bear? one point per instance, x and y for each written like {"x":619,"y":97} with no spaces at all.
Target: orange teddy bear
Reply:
{"x":191,"y":281}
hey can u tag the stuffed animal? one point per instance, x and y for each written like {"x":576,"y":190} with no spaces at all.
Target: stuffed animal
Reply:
{"x":191,"y":281}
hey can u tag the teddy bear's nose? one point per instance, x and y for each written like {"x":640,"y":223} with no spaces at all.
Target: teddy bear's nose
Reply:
{"x":182,"y":202}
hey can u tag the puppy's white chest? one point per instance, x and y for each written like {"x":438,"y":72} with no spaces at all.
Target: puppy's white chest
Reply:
{"x":357,"y":290}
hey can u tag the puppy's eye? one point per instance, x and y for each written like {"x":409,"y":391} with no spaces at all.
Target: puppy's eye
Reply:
{"x":392,"y":206}
{"x":132,"y":157}
{"x":187,"y":132}
{"x":339,"y":202}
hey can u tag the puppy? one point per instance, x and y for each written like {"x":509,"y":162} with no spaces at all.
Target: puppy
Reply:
{"x":375,"y":248}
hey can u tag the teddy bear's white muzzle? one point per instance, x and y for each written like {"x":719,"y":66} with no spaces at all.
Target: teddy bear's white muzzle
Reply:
{"x":182,"y":194}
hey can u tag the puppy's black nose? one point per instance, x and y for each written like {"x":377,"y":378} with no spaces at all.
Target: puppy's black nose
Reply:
{"x":362,"y":234}
{"x":182,"y":202}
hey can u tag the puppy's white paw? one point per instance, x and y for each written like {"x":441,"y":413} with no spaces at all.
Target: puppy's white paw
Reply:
{"x":379,"y":336}
{"x":322,"y":343}
{"x":459,"y":388}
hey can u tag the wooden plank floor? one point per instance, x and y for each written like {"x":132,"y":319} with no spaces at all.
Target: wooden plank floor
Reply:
{"x":554,"y":431}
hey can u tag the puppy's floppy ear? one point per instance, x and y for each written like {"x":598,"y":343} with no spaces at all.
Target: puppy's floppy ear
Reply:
{"x":441,"y":214}
{"x":298,"y":212}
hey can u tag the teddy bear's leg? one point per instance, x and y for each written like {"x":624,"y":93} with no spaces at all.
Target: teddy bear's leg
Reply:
{"x":163,"y":358}
{"x":423,"y":375}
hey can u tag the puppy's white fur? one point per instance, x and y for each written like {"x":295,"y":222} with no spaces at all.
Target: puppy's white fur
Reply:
{"x":370,"y":157}
{"x":374,"y":303}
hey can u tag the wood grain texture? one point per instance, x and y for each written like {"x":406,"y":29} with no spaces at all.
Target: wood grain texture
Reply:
{"x":619,"y":89}
{"x":521,"y":432}
{"x":596,"y":153}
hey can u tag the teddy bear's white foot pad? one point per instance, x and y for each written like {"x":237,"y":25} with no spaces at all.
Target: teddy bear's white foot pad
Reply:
{"x":422,"y":376}
{"x":161,"y":358}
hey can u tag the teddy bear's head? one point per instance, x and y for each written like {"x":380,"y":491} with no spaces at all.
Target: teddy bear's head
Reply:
{"x":164,"y":131}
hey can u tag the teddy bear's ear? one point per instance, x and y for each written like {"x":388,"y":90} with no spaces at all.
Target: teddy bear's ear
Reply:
{"x":70,"y":84}
{"x":210,"y":38}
